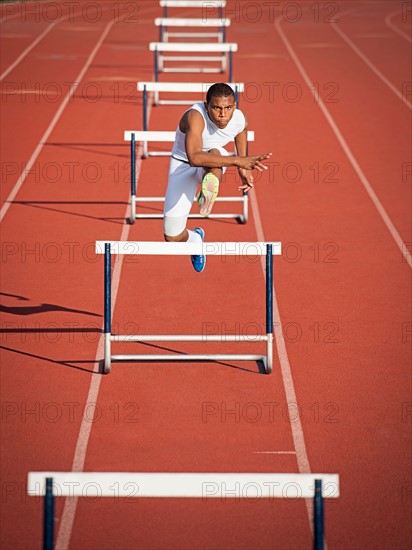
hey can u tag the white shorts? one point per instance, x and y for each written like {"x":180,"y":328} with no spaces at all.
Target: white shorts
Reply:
{"x":181,"y":190}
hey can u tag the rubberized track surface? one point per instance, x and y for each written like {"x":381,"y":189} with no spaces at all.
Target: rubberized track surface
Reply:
{"x":337,"y":195}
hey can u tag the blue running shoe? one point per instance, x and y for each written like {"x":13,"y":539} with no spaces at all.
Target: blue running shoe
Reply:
{"x":198,"y":260}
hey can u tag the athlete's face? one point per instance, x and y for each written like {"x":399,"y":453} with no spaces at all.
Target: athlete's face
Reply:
{"x":220,"y":110}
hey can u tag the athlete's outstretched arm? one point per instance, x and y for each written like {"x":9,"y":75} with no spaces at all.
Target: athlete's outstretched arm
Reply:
{"x":246,"y":176}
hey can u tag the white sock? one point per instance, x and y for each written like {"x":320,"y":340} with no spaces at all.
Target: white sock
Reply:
{"x":193,"y":237}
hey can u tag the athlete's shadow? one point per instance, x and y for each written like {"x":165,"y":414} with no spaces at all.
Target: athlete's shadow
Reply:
{"x":41,"y":308}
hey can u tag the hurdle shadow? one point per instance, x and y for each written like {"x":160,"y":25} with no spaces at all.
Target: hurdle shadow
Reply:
{"x":260,"y":365}
{"x":64,"y":362}
{"x":40,"y":204}
{"x":141,"y":68}
{"x":86,"y":148}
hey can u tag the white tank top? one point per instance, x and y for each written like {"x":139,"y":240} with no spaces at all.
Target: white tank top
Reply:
{"x":212,"y":136}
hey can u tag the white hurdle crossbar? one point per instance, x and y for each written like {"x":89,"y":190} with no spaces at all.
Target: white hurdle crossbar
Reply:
{"x":166,"y":136}
{"x":192,"y":47}
{"x":184,"y":248}
{"x":204,"y":485}
{"x":164,"y":22}
{"x":181,"y":88}
{"x":205,"y":5}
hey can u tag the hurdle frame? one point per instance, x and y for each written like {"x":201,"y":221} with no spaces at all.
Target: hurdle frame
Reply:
{"x":178,"y":87}
{"x":203,"y":485}
{"x":164,"y":22}
{"x":130,"y":135}
{"x":184,"y":248}
{"x":226,"y":49}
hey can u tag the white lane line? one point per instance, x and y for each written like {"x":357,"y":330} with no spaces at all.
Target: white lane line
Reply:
{"x":338,"y":134}
{"x":35,"y":42}
{"x":28,"y":49}
{"x":70,"y":504}
{"x":369,"y":63}
{"x":52,"y":124}
{"x":291,"y":399}
{"x":388,"y":22}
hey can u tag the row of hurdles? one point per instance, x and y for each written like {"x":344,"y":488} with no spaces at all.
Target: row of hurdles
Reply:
{"x":224,"y":62}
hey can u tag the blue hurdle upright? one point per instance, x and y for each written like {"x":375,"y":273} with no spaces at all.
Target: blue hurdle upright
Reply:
{"x":185,"y":248}
{"x":205,"y":485}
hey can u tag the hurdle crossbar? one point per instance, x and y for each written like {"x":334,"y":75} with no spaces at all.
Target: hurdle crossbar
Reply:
{"x":166,"y":136}
{"x":165,"y":22}
{"x":193,"y":47}
{"x":246,"y":249}
{"x":204,"y":4}
{"x":204,"y":485}
{"x":181,"y":88}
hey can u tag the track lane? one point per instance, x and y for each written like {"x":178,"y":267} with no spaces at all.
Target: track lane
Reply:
{"x":395,"y":198}
{"x":336,"y":289}
{"x":22,"y":148}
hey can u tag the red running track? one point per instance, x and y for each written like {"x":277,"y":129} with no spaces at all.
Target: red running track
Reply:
{"x":337,"y":195}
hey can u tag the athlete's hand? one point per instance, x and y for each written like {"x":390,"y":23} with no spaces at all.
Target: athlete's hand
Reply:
{"x":246,"y":178}
{"x":249,"y":163}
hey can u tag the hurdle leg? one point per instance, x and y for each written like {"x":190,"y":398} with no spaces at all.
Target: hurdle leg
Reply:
{"x":269,"y":309}
{"x":145,"y":109}
{"x":224,"y":63}
{"x":107,"y":308}
{"x":244,"y":216}
{"x":133,"y":179}
{"x":48,"y":528}
{"x":318,"y":516}
{"x":145,"y":152}
{"x":230,"y":65}
{"x":245,"y":204}
{"x":156,"y":66}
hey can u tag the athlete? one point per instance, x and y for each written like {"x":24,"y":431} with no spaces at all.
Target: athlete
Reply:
{"x":198,"y":155}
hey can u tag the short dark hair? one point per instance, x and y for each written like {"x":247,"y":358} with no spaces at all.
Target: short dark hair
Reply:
{"x":220,"y":89}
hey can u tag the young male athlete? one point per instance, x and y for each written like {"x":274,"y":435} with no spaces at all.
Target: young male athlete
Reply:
{"x":198,"y":156}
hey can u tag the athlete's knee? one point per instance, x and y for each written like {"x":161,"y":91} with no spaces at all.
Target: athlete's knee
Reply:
{"x":174,"y":228}
{"x":214,"y":151}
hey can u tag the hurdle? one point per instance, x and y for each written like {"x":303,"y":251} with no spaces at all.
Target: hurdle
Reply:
{"x":178,"y":249}
{"x":194,"y":47}
{"x":165,"y":4}
{"x":203,"y":485}
{"x":165,"y":22}
{"x":162,"y":136}
{"x":179,"y":87}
